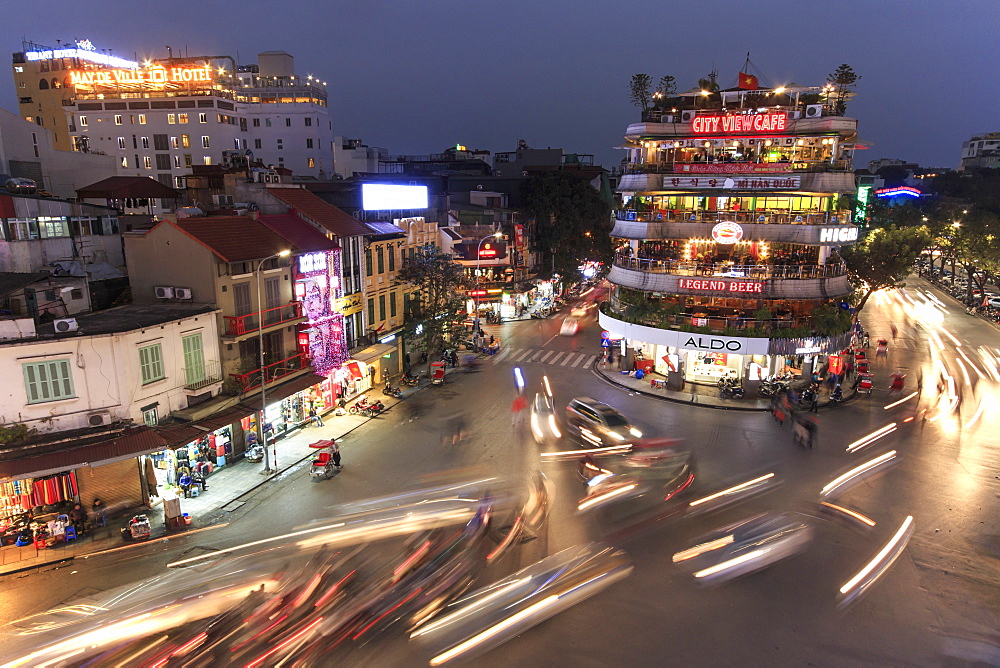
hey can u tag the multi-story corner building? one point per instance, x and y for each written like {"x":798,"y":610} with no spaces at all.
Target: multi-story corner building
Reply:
{"x":161,"y":117}
{"x":981,"y":151}
{"x":729,"y":224}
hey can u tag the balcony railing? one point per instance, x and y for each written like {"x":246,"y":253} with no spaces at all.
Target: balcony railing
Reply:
{"x":202,"y":375}
{"x":252,"y":379}
{"x":237,"y":325}
{"x":730,"y":269}
{"x":680,"y":215}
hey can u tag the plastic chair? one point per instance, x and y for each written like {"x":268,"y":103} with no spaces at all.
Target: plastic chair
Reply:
{"x":70,"y":532}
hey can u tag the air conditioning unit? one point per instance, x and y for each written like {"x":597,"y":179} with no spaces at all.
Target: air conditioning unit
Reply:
{"x":688,"y":115}
{"x":183,"y":293}
{"x":814,"y":110}
{"x":794,"y":115}
{"x":163,"y":292}
{"x":66,"y":325}
{"x":222,"y":200}
{"x":667,"y":119}
{"x":99,"y":419}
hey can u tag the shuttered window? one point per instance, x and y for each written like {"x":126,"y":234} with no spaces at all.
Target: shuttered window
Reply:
{"x":151,"y":363}
{"x":51,"y":380}
{"x":194,"y":359}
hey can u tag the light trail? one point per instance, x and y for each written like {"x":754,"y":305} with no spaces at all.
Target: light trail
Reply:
{"x":698,"y":502}
{"x":867,"y":467}
{"x":901,"y":401}
{"x":868,"y":439}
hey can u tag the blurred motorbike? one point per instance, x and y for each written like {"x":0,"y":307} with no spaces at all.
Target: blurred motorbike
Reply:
{"x":391,"y":391}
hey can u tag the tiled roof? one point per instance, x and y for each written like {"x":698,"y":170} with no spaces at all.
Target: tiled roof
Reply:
{"x":235,"y":238}
{"x":120,"y":187}
{"x":304,"y":236}
{"x":320,"y":211}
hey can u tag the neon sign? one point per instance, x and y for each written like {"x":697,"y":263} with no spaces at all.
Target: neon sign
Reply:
{"x":834,"y":234}
{"x":728,"y":123}
{"x":83,"y":52}
{"x":707,"y":285}
{"x":896,"y":192}
{"x":153,"y":75}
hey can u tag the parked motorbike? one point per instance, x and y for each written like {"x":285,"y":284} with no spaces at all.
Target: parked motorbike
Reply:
{"x":365,"y":408}
{"x":730,"y":389}
{"x":255,"y":453}
{"x":411,"y":381}
{"x":391,"y":391}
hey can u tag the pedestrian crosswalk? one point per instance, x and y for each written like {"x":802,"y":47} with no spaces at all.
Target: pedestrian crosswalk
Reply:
{"x":570,"y":360}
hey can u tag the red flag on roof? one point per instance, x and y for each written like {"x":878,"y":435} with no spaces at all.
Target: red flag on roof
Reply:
{"x":747,"y":81}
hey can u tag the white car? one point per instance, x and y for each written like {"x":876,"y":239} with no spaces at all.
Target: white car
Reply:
{"x":570,"y":326}
{"x":994,"y":302}
{"x":544,"y":425}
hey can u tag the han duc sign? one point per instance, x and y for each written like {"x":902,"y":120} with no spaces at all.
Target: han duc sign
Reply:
{"x":730,"y":123}
{"x":716,"y":285}
{"x":152,"y":75}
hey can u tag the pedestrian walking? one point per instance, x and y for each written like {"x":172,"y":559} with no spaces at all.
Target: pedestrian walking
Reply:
{"x":892,"y":328}
{"x":814,"y":401}
{"x":335,"y":453}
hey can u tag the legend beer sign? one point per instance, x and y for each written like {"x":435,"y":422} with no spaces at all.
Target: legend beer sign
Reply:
{"x":717,"y":285}
{"x":730,"y":123}
{"x":157,"y":75}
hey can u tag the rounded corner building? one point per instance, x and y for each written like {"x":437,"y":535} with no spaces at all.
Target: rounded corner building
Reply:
{"x":733,"y":207}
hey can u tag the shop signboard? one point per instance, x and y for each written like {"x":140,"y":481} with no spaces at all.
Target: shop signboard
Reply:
{"x":519,"y":236}
{"x":730,"y":183}
{"x":748,"y":123}
{"x":156,"y":75}
{"x":734,"y":168}
{"x":719,"y":285}
{"x":727,"y":233}
{"x":685,"y":340}
{"x":841,"y":233}
{"x":349,"y":305}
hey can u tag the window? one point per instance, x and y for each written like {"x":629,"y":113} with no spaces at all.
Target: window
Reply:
{"x":309,"y":122}
{"x":124,"y":162}
{"x":256,"y":143}
{"x":188,"y":161}
{"x":256,"y":122}
{"x":267,"y":122}
{"x":185,"y":141}
{"x":368,"y":262}
{"x":172,"y":119}
{"x":310,"y":162}
{"x":178,"y":180}
{"x":281,"y":144}
{"x":118,"y":119}
{"x":371,"y":311}
{"x":121,"y":142}
{"x":163,"y":161}
{"x":142,"y":119}
{"x":288,"y":122}
{"x":380,"y":256}
{"x":392,"y":304}
{"x":194,"y":359}
{"x":203,"y":118}
{"x":204,"y":141}
{"x":381,"y":307}
{"x":51,"y":380}
{"x":76,"y":294}
{"x":206,"y":159}
{"x":237,"y":143}
{"x":182,"y":118}
{"x":177,"y":164}
{"x":149,"y":417}
{"x":83,"y":121}
{"x":151,"y":363}
{"x":51,"y":228}
{"x":147,"y":162}
{"x":175,"y":142}
{"x":309,"y":143}
{"x":392,"y":257}
{"x":145,"y":142}
{"x":160,"y":143}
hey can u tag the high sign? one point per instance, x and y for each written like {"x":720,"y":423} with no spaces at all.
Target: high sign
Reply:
{"x":715,"y":285}
{"x":729,"y":183}
{"x":730,"y":123}
{"x":156,"y":75}
{"x":727,"y":233}
{"x":835,"y":234}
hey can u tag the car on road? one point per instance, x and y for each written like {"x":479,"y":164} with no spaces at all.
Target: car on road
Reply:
{"x":544,"y":425}
{"x":578,"y":311}
{"x":994,"y":302}
{"x":598,"y":425}
{"x":570,"y":326}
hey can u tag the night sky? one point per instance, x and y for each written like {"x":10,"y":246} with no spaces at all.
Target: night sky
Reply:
{"x":418,"y":76}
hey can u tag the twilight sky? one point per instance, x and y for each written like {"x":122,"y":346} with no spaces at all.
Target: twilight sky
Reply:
{"x":419,"y":76}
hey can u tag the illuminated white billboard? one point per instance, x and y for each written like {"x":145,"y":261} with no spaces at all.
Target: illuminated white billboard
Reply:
{"x":385,"y":196}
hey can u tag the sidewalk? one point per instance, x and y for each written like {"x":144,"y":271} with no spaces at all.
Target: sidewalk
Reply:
{"x":700,"y":395}
{"x":225,"y":487}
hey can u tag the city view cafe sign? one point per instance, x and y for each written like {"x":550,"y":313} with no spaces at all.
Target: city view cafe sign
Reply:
{"x":155,"y":75}
{"x":730,"y":123}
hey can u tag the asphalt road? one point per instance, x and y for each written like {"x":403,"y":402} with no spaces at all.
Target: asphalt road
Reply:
{"x":938,"y":604}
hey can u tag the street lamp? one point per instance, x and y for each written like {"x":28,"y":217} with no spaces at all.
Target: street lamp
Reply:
{"x":263,"y":374}
{"x":495,"y":235}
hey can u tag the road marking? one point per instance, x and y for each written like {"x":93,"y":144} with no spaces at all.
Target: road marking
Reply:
{"x":581,"y":358}
{"x":535,"y":356}
{"x":569,"y":356}
{"x":556,"y":358}
{"x":546,"y":356}
{"x":526,"y":352}
{"x":501,"y":355}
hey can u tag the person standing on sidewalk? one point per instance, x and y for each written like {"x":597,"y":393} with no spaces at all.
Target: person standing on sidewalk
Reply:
{"x":335,"y":453}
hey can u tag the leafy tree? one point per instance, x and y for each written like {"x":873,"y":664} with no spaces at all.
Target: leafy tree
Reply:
{"x":572,"y":220}
{"x":843,"y":79}
{"x":883,"y":258}
{"x":639,"y":90}
{"x":666,"y":90}
{"x":436,"y":308}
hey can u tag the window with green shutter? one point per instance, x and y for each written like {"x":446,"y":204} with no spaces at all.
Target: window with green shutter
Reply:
{"x":194,"y":359}
{"x":151,"y":363}
{"x":51,"y":380}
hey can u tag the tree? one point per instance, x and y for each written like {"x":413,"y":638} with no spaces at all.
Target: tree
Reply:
{"x":667,"y":87}
{"x":639,"y":90}
{"x":883,"y":258}
{"x":436,"y":307}
{"x":572,"y":220}
{"x":842,"y":81}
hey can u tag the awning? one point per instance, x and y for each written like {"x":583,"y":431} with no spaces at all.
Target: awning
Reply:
{"x":139,"y":441}
{"x":278,"y":392}
{"x":372,"y":353}
{"x":182,"y":434}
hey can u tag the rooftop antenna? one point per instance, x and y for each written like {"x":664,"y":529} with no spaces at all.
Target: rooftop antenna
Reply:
{"x":170,"y":53}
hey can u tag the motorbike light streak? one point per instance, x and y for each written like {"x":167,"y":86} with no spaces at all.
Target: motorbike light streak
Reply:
{"x":735,"y":561}
{"x":850,"y":513}
{"x":900,"y":401}
{"x":697,"y":550}
{"x":837,"y":483}
{"x":865,"y":441}
{"x":731,"y":490}
{"x":610,"y":494}
{"x":879,"y":564}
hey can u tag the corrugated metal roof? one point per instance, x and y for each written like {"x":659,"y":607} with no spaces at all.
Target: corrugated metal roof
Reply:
{"x":381,"y":227}
{"x":235,"y":238}
{"x":138,"y":441}
{"x":320,"y":211}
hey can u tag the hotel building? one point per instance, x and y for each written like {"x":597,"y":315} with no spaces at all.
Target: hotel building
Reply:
{"x":732,"y":208}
